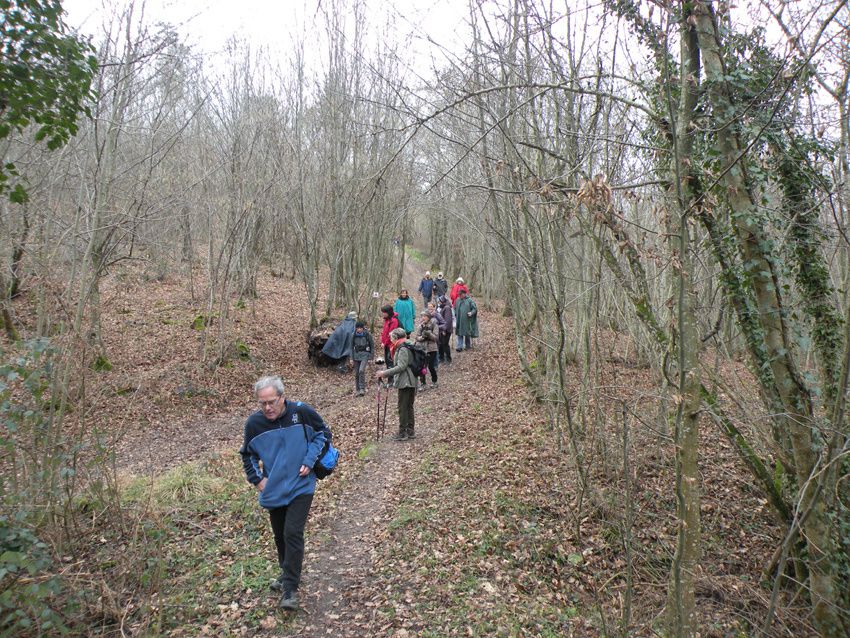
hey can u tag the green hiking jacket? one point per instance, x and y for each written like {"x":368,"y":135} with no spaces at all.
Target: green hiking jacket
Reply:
{"x":466,"y":326}
{"x":401,"y":373}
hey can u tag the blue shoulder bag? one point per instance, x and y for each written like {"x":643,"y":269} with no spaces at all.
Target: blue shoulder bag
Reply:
{"x":328,"y":457}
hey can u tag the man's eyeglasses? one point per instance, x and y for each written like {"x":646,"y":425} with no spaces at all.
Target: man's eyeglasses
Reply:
{"x":268,"y":404}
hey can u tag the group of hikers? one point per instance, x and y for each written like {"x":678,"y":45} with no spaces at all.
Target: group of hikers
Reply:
{"x":457,"y":313}
{"x":284,"y":439}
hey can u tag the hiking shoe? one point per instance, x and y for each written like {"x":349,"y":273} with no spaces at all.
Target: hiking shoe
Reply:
{"x":277,"y":584}
{"x":411,"y":436}
{"x":434,"y":386}
{"x":422,"y":387}
{"x":399,"y":437}
{"x":289,"y":601}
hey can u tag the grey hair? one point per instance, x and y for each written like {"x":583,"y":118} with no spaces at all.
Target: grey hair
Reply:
{"x":399,"y":333}
{"x":269,"y":382}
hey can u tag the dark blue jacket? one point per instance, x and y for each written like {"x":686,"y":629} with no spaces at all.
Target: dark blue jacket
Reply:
{"x":441,"y":287}
{"x":338,"y":345}
{"x":294,"y":439}
{"x":426,"y":287}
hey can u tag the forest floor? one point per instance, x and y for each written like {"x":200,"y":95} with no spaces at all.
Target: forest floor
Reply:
{"x":479,"y":527}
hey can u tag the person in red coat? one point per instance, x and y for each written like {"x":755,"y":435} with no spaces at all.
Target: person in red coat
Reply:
{"x":390,"y":324}
{"x":459,"y":285}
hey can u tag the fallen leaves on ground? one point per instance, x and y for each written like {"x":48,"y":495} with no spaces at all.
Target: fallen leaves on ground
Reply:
{"x":481,"y":527}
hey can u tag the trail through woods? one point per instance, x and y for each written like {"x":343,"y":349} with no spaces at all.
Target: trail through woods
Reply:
{"x":341,"y":544}
{"x":477,"y":525}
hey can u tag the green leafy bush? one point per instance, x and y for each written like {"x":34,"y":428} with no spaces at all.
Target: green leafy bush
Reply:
{"x":25,"y":589}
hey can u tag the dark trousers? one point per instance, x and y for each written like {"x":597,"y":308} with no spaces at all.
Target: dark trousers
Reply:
{"x":431,"y":360}
{"x":432,"y":366}
{"x":444,"y":346}
{"x":288,"y":526}
{"x":406,"y":397}
{"x":360,"y":374}
{"x":388,"y":357}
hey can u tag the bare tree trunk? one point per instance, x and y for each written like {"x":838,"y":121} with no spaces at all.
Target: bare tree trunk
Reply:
{"x":681,"y":606}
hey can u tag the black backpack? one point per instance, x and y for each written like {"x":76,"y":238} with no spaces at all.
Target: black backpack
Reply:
{"x":418,"y":359}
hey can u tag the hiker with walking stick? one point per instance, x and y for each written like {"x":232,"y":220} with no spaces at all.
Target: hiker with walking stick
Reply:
{"x":404,"y":381}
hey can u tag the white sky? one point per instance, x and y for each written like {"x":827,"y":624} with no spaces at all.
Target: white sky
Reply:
{"x":208,"y":24}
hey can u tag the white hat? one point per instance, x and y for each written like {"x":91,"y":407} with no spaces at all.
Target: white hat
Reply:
{"x":460,"y":280}
{"x":352,"y":315}
{"x":427,"y":272}
{"x":440,"y":274}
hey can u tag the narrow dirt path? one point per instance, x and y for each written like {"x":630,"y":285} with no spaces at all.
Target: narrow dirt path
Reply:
{"x":352,"y":509}
{"x":342,"y":560}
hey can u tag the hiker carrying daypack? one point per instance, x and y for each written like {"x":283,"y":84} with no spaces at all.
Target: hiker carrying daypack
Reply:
{"x":418,"y":359}
{"x":404,"y":380}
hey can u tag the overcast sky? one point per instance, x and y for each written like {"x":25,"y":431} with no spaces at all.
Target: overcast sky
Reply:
{"x":208,"y":24}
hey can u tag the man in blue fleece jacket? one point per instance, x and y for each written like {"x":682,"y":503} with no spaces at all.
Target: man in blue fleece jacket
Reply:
{"x":282,"y":442}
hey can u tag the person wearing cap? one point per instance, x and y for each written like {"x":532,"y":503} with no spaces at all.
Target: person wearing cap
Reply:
{"x":404,"y":381}
{"x":441,"y":286}
{"x":426,"y":287}
{"x":444,"y":349}
{"x":427,"y":335}
{"x":467,"y":320}
{"x":406,"y":311}
{"x":362,"y":350}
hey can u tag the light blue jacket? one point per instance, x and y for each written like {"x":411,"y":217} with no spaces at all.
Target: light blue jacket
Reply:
{"x":406,"y":311}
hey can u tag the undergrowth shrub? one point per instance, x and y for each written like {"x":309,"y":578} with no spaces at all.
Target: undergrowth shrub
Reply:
{"x":26,"y":586}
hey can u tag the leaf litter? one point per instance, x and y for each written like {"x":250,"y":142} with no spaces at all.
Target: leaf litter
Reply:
{"x":477,"y":528}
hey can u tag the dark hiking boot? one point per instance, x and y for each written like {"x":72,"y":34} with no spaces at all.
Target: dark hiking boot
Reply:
{"x":410,"y":436}
{"x":289,"y":601}
{"x":401,"y":436}
{"x":277,"y":584}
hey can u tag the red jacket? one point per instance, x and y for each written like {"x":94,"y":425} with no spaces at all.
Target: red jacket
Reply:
{"x":456,"y":291}
{"x":389,"y":325}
